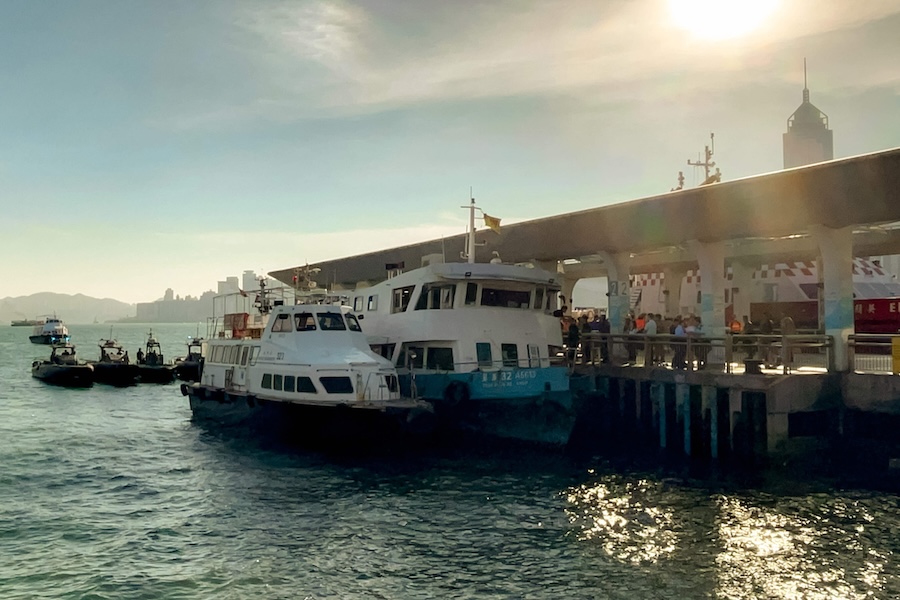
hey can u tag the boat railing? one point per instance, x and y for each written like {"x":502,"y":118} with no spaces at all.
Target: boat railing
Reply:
{"x":729,"y":353}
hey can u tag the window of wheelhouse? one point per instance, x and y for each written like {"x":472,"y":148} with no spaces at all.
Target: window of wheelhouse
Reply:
{"x":505,"y":298}
{"x":539,"y":297}
{"x":352,"y":323}
{"x":400,"y":298}
{"x":358,"y":303}
{"x":510,"y":355}
{"x":471,"y":293}
{"x":436,"y":296}
{"x":305,"y":321}
{"x":483,"y":354}
{"x":254,"y":353}
{"x":282,"y":323}
{"x":244,"y":354}
{"x":332,"y":321}
{"x":373,"y":303}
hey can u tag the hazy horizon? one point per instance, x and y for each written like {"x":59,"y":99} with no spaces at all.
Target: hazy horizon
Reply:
{"x":151,"y":146}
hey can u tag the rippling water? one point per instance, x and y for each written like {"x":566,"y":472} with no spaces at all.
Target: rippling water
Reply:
{"x":115,"y":493}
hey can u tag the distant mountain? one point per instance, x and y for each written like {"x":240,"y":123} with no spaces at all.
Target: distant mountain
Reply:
{"x":71,"y":309}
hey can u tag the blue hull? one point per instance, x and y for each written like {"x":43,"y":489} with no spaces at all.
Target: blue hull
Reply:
{"x":531,"y":405}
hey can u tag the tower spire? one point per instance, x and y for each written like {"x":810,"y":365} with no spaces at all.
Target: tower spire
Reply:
{"x":805,"y":86}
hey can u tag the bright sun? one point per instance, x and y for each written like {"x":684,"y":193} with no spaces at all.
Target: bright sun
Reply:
{"x":720,"y":19}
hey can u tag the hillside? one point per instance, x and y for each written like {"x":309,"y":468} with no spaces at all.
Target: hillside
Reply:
{"x":76,"y":308}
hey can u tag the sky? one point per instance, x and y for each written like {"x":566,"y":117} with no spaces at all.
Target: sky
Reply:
{"x":150,"y":145}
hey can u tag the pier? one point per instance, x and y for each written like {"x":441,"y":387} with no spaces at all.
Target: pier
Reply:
{"x":826,"y":394}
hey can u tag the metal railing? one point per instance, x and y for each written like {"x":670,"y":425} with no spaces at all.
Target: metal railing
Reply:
{"x":871,"y":352}
{"x":729,"y":353}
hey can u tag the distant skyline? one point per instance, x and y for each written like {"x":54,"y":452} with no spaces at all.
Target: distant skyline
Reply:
{"x":153,"y":145}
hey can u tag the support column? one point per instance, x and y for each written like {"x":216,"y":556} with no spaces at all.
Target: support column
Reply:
{"x":683,"y":402}
{"x":709,"y":399}
{"x":658,"y":394}
{"x":836,"y":269}
{"x":741,"y":283}
{"x":735,"y":406}
{"x":711,"y":258}
{"x":617,"y":272}
{"x":568,"y":286}
{"x":673,"y":278}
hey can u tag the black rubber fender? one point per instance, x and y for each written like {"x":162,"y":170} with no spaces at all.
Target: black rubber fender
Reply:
{"x":456,"y":393}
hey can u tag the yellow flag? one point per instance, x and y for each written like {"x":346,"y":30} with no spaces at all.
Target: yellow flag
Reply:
{"x":492,"y":222}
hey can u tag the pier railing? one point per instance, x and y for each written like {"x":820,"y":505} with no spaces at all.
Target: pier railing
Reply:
{"x":872,"y":353}
{"x":730,"y":353}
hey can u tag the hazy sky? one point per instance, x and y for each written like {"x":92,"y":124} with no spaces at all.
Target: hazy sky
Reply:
{"x":148,"y":144}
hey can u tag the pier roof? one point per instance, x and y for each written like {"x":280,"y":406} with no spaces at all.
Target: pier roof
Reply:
{"x":764,"y":216}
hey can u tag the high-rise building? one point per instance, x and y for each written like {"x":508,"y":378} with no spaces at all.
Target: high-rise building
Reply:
{"x":808,"y":139}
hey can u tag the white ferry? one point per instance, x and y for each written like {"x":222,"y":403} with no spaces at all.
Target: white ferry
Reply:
{"x":476,"y":340}
{"x":303,"y":369}
{"x":49,"y":330}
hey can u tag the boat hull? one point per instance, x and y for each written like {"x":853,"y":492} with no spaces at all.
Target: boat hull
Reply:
{"x":46,"y":339}
{"x":156,"y":373}
{"x":63,"y":375}
{"x":530,"y":405}
{"x":341,"y":426}
{"x":188,"y":370}
{"x":116,"y":374}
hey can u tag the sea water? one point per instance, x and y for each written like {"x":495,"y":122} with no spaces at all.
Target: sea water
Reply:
{"x":115,"y":493}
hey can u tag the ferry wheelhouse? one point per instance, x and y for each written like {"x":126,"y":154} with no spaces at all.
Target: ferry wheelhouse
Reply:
{"x":305,"y":369}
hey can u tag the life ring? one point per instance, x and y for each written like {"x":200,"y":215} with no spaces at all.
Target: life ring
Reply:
{"x":456,"y":393}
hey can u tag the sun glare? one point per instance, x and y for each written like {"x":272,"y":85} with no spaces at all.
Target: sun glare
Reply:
{"x":721,"y":19}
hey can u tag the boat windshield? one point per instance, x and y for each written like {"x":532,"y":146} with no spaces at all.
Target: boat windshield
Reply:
{"x":332,"y":321}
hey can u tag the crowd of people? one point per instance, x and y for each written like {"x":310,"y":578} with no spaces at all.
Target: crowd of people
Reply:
{"x":759,"y":339}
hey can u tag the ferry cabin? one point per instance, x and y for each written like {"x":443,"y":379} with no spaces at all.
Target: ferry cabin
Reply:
{"x":306,"y":354}
{"x":463,"y":317}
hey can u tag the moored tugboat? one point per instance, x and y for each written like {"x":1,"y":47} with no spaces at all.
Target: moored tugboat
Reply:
{"x":151,"y":365}
{"x":188,"y":367}
{"x":63,"y":368}
{"x":114,"y":366}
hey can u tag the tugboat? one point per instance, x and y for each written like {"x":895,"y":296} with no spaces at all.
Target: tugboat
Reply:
{"x":302,"y":371}
{"x":63,"y":368}
{"x":114,"y":366}
{"x":151,"y":366}
{"x":187,"y":368}
{"x":49,"y":331}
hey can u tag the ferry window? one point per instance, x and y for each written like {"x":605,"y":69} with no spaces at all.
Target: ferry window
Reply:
{"x":411,"y":356}
{"x":217,"y":354}
{"x":254,"y":353}
{"x":305,"y":322}
{"x":358,"y":303}
{"x":267,"y":381}
{"x":332,"y":321}
{"x":281,"y":323}
{"x":393,"y":384}
{"x":277,"y":382}
{"x":231,"y":356}
{"x":534,"y":356}
{"x":244,"y":353}
{"x":337,"y":385}
{"x":436,"y":296}
{"x":471,"y":293}
{"x":352,"y":323}
{"x":440,"y":359}
{"x":510,"y":355}
{"x":305,"y":385}
{"x":385,"y":350}
{"x":698,"y":297}
{"x":400,"y":298}
{"x":289,"y":383}
{"x":483,"y":352}
{"x":539,"y":298}
{"x":373,"y":303}
{"x":505,"y":298}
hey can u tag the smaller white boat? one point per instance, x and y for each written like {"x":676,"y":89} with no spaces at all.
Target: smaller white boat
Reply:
{"x":49,"y":330}
{"x":304,"y":371}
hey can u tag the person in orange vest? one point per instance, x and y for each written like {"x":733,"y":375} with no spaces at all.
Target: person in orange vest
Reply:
{"x":736,"y":326}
